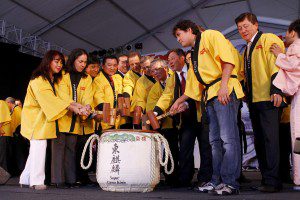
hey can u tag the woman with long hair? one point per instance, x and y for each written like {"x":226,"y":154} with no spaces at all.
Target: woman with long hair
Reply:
{"x":42,"y":108}
{"x":76,"y":86}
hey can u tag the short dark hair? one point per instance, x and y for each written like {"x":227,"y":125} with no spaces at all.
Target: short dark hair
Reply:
{"x":72,"y":57}
{"x":109,"y":57}
{"x":133,"y":54}
{"x":295,"y":26}
{"x":122,"y":55}
{"x":43,"y":69}
{"x":250,"y":16}
{"x":92,"y":59}
{"x":184,"y":25}
{"x":178,"y":51}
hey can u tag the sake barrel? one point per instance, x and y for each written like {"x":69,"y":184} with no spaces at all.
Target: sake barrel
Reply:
{"x":130,"y":160}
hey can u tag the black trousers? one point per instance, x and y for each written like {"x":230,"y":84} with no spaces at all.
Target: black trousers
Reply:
{"x":285,"y":151}
{"x":187,"y":137}
{"x":63,"y":158}
{"x":172,"y":137}
{"x":265,"y":121}
{"x":81,"y":174}
{"x":20,"y":151}
{"x":205,"y":171}
{"x":5,"y":152}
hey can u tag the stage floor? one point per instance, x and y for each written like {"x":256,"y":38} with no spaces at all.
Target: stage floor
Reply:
{"x":12,"y":191}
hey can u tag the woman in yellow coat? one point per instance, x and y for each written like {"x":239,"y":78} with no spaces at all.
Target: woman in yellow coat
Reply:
{"x":76,"y":86}
{"x":41,"y":110}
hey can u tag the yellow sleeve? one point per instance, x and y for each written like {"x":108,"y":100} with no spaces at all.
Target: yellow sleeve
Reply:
{"x":139,"y":97}
{"x":98,"y":91}
{"x":165,"y":101}
{"x":219,"y":47}
{"x":52,"y":106}
{"x":118,"y":82}
{"x":153,"y":96}
{"x":193,"y":88}
{"x":63,"y":88}
{"x":271,"y":59}
{"x":4,"y":112}
{"x":239,"y":66}
{"x":128,"y":83}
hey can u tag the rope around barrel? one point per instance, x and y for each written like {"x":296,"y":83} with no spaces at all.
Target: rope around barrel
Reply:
{"x":158,"y":138}
{"x":90,"y":142}
{"x":162,"y":141}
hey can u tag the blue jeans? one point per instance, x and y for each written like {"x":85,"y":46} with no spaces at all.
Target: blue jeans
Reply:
{"x":224,"y":140}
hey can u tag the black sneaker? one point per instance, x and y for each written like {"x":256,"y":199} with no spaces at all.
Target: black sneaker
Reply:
{"x":4,"y":176}
{"x":224,"y":189}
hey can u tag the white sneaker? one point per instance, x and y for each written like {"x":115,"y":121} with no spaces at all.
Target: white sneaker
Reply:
{"x":206,"y":188}
{"x":296,"y":187}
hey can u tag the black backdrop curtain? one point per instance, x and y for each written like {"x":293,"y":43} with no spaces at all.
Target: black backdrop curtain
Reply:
{"x":15,"y":71}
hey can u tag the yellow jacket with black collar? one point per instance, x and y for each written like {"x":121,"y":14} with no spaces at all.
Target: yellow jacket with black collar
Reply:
{"x":141,"y":90}
{"x":41,"y":109}
{"x":129,"y":82}
{"x":153,"y":97}
{"x":262,"y":66}
{"x":5,"y":119}
{"x":70,"y":123}
{"x":211,"y":48}
{"x":15,"y":118}
{"x":106,"y":93}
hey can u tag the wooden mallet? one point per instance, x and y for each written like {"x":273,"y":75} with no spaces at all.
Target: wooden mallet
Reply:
{"x":153,"y":120}
{"x":137,"y":115}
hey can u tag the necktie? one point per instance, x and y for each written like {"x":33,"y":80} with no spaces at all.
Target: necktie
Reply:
{"x":248,"y":48}
{"x":182,"y":83}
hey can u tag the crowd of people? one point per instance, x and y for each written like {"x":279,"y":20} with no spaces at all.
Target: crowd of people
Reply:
{"x":203,"y":90}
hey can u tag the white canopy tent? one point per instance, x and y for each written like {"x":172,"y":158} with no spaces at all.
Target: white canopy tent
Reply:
{"x":103,"y":24}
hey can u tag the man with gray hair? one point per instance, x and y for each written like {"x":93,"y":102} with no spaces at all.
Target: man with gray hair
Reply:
{"x":161,"y":72}
{"x":19,"y":145}
{"x":143,"y":85}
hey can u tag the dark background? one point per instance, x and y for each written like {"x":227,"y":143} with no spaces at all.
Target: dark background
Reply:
{"x":15,"y":71}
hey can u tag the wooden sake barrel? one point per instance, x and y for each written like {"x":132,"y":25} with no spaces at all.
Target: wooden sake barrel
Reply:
{"x":129,"y":160}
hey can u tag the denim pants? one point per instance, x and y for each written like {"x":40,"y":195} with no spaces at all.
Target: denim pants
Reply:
{"x":224,"y":140}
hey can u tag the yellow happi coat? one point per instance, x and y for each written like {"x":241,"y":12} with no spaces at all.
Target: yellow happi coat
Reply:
{"x":153,"y":96}
{"x":141,"y":91}
{"x":41,"y":109}
{"x":262,"y":66}
{"x":105,"y":93}
{"x":5,"y":119}
{"x":15,"y":118}
{"x":129,"y":82}
{"x":212,"y":49}
{"x":84,"y":97}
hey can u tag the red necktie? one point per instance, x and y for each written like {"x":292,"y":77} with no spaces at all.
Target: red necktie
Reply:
{"x":182,"y":83}
{"x":111,"y":81}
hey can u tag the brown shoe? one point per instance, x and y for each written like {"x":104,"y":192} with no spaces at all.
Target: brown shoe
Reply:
{"x":4,"y":176}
